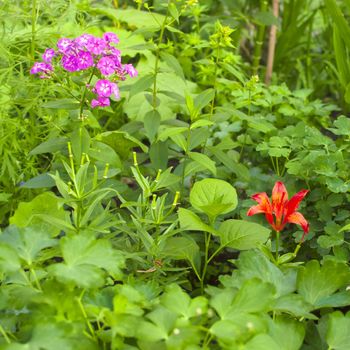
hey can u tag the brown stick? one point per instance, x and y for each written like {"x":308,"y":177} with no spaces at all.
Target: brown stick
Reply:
{"x":272,"y":44}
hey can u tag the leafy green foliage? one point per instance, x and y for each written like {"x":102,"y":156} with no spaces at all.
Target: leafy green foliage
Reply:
{"x":125,"y":227}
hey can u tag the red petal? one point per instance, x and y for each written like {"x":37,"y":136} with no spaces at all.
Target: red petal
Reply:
{"x":279,"y":199}
{"x":294,"y":202}
{"x":264,"y":206}
{"x":256,"y":209}
{"x":298,"y":218}
{"x":261,"y":198}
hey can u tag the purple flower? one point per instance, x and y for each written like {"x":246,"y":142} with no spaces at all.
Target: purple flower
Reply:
{"x":96,"y":45}
{"x":84,"y":40}
{"x":42,"y":67}
{"x":111,"y":37}
{"x":106,"y":66}
{"x":130,"y":69}
{"x":105,"y":88}
{"x":84,"y":60}
{"x":48,"y":55}
{"x":100,"y":102}
{"x":64,"y":45}
{"x":70,"y":63}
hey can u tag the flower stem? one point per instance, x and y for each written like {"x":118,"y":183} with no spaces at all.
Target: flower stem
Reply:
{"x":277,"y":244}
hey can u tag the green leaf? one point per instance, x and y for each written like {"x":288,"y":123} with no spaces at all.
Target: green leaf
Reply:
{"x":203,"y":99}
{"x":168,"y":132}
{"x":261,"y":342}
{"x":191,"y":222}
{"x":339,"y":20}
{"x":28,"y":242}
{"x":173,"y":63}
{"x":121,"y":142}
{"x":181,"y":248}
{"x":133,"y":17}
{"x":316,"y":282}
{"x":201,"y":122}
{"x":254,"y":263}
{"x":64,"y":103}
{"x":242,"y":235}
{"x":29,"y":213}
{"x":9,"y":260}
{"x":253,"y":296}
{"x":80,"y":140}
{"x":295,"y":305}
{"x":50,"y":146}
{"x":338,"y":335}
{"x":213,"y":197}
{"x":204,"y":161}
{"x":105,"y":154}
{"x":85,"y":260}
{"x":152,"y":122}
{"x":287,"y":333}
{"x":141,"y":85}
{"x":40,"y":181}
{"x":266,"y":18}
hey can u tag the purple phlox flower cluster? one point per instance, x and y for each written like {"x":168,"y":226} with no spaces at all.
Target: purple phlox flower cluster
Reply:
{"x":88,"y":51}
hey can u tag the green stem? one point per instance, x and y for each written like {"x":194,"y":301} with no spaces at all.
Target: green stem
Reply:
{"x":34,"y":10}
{"x":154,"y":97}
{"x":82,"y":102}
{"x":259,"y":40}
{"x":188,"y":142}
{"x":214,"y":87}
{"x":206,"y":259}
{"x":2,"y":331}
{"x":277,"y":244}
{"x":246,"y":132}
{"x":81,"y":306}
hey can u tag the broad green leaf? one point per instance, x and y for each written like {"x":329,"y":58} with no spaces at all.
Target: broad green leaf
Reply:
{"x":253,"y":296}
{"x":132,"y":17}
{"x":40,"y":181}
{"x":50,"y":146}
{"x":295,"y":305}
{"x":213,"y":197}
{"x":9,"y":260}
{"x":338,"y":335}
{"x":261,"y":342}
{"x":65,"y":103}
{"x":141,"y":85}
{"x":28,"y":242}
{"x":341,"y":299}
{"x":242,"y":235}
{"x":201,"y":122}
{"x":54,"y":335}
{"x":287,"y":333}
{"x":181,"y":248}
{"x":204,"y":161}
{"x":174,"y":64}
{"x":152,"y":122}
{"x":203,"y":99}
{"x":254,"y":263}
{"x":105,"y":154}
{"x":29,"y":213}
{"x":168,"y":132}
{"x":85,"y":259}
{"x":121,"y":142}
{"x":159,"y":154}
{"x":80,"y":140}
{"x":316,"y":282}
{"x":192,"y":222}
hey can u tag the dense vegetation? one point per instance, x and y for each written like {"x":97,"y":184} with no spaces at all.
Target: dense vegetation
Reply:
{"x":171,"y":178}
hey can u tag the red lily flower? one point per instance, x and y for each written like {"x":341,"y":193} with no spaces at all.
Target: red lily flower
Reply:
{"x":283,"y":209}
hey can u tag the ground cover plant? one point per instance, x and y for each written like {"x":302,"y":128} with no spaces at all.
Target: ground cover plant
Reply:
{"x":157,"y":193}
